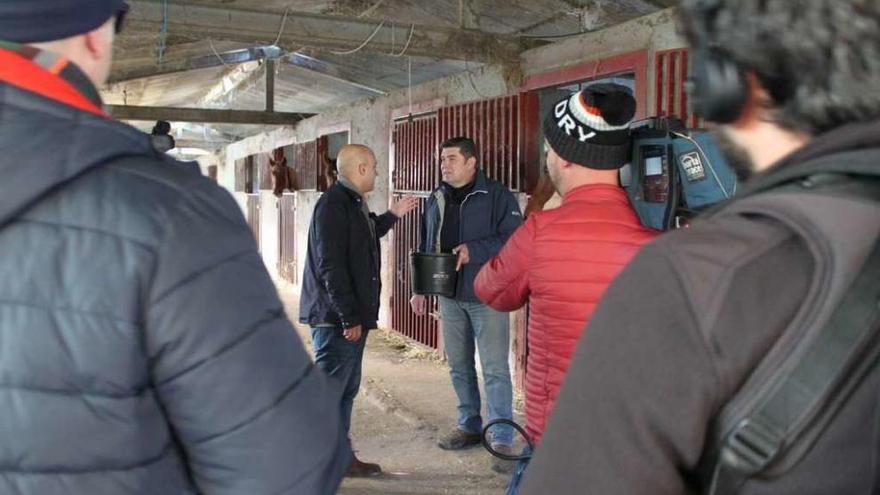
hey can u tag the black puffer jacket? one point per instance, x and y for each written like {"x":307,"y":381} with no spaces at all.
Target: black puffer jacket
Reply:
{"x":143,"y":348}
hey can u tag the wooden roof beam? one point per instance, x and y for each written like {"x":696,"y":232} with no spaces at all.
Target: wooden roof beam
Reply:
{"x":176,"y":114}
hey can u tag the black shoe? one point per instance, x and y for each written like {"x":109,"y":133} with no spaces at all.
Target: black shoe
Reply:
{"x":360,"y":469}
{"x":459,"y":439}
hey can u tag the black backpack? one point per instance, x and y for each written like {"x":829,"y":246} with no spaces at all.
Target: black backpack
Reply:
{"x":794,"y":393}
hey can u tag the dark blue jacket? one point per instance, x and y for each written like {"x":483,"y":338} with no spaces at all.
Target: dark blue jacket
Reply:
{"x":143,"y":346}
{"x":488,"y":216}
{"x":341,"y":282}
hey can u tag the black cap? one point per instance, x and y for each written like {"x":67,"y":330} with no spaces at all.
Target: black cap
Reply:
{"x":35,"y":21}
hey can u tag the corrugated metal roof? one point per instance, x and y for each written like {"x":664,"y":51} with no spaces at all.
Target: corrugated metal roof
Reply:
{"x":226,"y":74}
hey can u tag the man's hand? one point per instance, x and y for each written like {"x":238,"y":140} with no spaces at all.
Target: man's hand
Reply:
{"x":352,"y":334}
{"x":417,"y":303}
{"x":403,"y":206}
{"x":464,"y":257}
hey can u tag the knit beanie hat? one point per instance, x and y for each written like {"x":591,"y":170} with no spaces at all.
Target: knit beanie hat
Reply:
{"x":35,"y":21}
{"x":591,"y":128}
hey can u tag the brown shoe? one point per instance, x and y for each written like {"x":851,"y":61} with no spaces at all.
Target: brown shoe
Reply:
{"x":459,"y":439}
{"x":360,"y":469}
{"x":502,"y":466}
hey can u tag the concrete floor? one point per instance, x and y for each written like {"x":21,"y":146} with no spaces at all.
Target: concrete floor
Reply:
{"x":405,"y":403}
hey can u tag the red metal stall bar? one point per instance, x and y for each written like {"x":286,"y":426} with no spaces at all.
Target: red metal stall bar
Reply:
{"x":415,"y":173}
{"x":495,"y":126}
{"x":422,"y":329}
{"x":670,"y":96}
{"x":671,"y":90}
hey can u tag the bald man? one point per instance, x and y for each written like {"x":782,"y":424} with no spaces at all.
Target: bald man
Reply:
{"x":341,"y":282}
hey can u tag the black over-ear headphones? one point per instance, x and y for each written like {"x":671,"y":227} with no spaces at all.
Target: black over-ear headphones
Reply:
{"x":717,"y":85}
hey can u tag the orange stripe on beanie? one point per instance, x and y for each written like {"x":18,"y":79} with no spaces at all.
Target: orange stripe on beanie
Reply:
{"x":591,"y":128}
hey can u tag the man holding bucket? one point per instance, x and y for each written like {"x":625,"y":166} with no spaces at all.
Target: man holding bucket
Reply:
{"x":471,"y":216}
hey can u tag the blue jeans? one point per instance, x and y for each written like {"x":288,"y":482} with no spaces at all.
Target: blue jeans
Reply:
{"x":468,"y":326}
{"x":341,"y":359}
{"x":518,"y":472}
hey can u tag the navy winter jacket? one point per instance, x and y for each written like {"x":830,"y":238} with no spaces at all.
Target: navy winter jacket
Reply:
{"x":488,"y":216}
{"x":143,"y":347}
{"x":341,"y":282}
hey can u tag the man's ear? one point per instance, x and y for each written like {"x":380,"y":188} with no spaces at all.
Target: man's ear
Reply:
{"x":99,"y":42}
{"x":472,"y":162}
{"x":757,"y":106}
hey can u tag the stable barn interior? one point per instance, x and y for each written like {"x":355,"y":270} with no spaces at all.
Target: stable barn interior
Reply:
{"x":250,"y":84}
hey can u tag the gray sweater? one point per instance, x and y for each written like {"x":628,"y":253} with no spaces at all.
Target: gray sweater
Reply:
{"x":674,"y":338}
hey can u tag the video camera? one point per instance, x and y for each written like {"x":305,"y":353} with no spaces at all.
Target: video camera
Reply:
{"x":674,"y":172}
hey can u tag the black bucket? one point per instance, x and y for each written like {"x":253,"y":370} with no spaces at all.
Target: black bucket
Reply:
{"x":433,"y":273}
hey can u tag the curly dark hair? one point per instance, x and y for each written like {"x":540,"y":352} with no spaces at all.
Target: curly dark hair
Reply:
{"x":818,"y":59}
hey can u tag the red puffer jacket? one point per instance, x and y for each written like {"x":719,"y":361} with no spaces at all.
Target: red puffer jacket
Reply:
{"x":561,"y":261}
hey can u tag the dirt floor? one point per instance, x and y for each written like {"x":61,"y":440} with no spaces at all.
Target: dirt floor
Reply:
{"x":398,"y":425}
{"x":405,"y":403}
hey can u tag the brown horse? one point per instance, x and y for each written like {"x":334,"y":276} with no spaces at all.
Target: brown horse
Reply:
{"x":328,"y":170}
{"x":283,"y":177}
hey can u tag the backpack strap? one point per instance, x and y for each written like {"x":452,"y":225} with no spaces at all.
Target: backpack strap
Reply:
{"x":855,"y":164}
{"x":825,"y":373}
{"x":809,"y":373}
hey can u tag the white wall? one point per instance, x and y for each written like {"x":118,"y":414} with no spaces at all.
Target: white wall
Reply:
{"x":206,"y":161}
{"x":269,"y":231}
{"x":655,"y":32}
{"x":241,"y":199}
{"x":305,"y":206}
